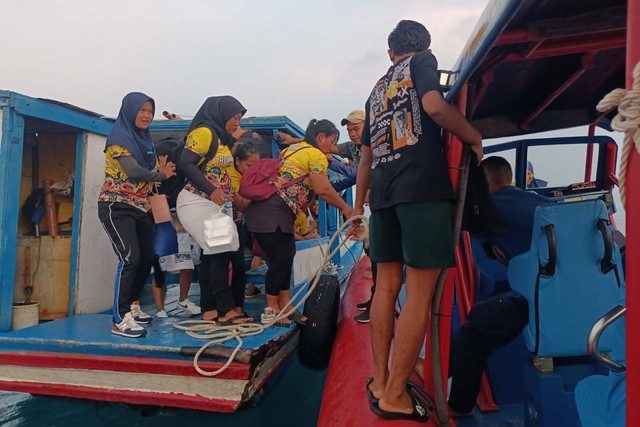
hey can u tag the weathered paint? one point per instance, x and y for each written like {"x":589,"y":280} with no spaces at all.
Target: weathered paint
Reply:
{"x":96,"y":259}
{"x":10,"y":165}
{"x":81,"y":140}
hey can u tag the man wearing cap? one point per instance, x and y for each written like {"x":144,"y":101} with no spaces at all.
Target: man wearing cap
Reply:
{"x":349,"y":150}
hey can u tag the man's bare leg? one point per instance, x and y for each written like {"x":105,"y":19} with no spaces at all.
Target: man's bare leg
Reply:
{"x":410,"y":333}
{"x":383,"y":309}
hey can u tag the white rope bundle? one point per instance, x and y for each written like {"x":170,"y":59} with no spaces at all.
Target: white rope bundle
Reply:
{"x":219,"y":334}
{"x":627,"y":120}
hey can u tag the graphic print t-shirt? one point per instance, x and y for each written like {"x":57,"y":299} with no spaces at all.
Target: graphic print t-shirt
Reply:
{"x":118,"y":186}
{"x":406,"y":144}
{"x":217,"y":169}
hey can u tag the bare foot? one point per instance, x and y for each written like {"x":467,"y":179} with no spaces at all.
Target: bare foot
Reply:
{"x":210,"y":315}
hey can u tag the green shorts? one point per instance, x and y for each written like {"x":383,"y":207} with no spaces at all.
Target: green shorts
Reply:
{"x":418,"y":234}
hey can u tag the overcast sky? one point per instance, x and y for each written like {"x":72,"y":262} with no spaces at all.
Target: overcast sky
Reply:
{"x":303,"y":59}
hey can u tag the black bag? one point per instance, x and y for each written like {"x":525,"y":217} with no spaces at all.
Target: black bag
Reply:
{"x":172,"y":147}
{"x":479,"y":215}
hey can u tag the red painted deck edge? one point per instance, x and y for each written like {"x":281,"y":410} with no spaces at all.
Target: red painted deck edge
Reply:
{"x":141,"y":365}
{"x":344,"y":400}
{"x":132,"y":397}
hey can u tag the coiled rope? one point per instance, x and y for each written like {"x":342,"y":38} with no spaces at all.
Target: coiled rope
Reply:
{"x":219,"y":334}
{"x":627,"y":120}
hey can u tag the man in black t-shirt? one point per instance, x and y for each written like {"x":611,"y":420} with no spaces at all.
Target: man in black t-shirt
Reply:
{"x":404,"y":166}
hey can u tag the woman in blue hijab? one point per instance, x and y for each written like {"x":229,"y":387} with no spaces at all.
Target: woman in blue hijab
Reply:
{"x":131,"y":171}
{"x":532,"y":181}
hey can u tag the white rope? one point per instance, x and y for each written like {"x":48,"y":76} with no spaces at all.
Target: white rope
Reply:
{"x":219,"y":334}
{"x":627,"y":120}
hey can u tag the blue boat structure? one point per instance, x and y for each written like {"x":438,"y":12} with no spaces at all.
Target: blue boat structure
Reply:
{"x":535,"y":66}
{"x":58,"y":265}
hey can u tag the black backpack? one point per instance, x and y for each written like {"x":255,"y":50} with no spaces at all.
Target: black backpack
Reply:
{"x":172,"y":147}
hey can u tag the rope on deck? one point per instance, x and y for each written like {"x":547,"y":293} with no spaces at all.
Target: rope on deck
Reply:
{"x":219,"y":334}
{"x":627,"y":120}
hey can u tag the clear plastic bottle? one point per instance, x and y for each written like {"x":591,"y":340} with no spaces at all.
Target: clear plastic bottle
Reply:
{"x":227,"y":207}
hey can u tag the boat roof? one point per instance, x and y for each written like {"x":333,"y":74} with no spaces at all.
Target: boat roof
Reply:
{"x":535,"y":66}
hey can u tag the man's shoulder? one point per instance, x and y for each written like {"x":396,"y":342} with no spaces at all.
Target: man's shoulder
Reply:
{"x":512,"y":192}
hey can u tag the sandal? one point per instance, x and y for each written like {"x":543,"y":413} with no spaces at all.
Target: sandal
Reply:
{"x":233,"y":320}
{"x":370,"y":396}
{"x":256,"y":292}
{"x":299,"y":318}
{"x":419,"y":413}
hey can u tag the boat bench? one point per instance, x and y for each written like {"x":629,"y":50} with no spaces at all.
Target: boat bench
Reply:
{"x":570,"y":277}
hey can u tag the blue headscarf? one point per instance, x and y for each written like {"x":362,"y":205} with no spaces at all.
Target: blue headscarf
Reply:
{"x":125,"y":133}
{"x":535,"y":183}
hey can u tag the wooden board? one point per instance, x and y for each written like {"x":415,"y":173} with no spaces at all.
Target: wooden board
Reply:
{"x":44,"y":263}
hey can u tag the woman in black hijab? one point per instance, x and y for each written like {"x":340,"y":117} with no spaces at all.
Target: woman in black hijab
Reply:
{"x":131,"y":169}
{"x":206,"y":161}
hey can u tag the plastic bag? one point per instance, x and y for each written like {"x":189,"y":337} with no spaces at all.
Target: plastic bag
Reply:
{"x":165,"y":239}
{"x":220,"y":234}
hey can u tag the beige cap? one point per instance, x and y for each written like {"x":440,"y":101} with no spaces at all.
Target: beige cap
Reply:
{"x":356,"y":116}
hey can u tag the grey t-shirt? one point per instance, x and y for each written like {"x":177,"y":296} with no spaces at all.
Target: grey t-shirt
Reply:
{"x":351,"y":151}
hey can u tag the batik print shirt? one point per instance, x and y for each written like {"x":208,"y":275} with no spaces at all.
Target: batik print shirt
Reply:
{"x":217,"y":169}
{"x":118,"y":186}
{"x":300,"y":161}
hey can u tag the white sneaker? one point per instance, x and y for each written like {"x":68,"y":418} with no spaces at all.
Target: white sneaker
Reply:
{"x":189,"y":306}
{"x":162,"y":313}
{"x":128,"y":328}
{"x":139,"y":315}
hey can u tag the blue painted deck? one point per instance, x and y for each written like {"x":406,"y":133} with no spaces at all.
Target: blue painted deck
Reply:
{"x":90,"y":334}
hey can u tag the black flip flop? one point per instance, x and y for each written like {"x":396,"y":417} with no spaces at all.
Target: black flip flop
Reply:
{"x":370,"y":396}
{"x":297,"y":317}
{"x":419,"y":413}
{"x":417,"y":392}
{"x":230,"y":321}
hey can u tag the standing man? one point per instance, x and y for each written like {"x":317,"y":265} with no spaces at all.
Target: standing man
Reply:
{"x":403,"y":164}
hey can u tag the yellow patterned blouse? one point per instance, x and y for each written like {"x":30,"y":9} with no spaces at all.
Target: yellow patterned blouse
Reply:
{"x":217,"y":169}
{"x":118,"y":187}
{"x":310,"y":160}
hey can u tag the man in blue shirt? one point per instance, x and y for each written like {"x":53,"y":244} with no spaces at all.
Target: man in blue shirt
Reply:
{"x":496,"y":321}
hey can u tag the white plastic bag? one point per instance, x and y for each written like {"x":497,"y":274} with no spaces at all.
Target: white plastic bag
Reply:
{"x":220,"y":234}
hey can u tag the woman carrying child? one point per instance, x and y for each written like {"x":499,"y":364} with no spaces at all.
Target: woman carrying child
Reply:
{"x":271,"y":221}
{"x":207,"y":189}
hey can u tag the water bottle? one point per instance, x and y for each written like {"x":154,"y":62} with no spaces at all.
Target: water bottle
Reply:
{"x":227,"y":207}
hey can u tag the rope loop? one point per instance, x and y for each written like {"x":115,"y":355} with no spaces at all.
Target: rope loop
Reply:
{"x":219,"y":334}
{"x":627,"y":120}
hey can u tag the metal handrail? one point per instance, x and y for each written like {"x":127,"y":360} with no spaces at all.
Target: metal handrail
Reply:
{"x":594,"y":336}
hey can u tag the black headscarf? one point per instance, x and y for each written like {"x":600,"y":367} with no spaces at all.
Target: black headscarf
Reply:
{"x":125,"y":133}
{"x":215,"y":113}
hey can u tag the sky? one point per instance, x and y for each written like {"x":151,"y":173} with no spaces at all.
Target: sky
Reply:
{"x":301,"y":59}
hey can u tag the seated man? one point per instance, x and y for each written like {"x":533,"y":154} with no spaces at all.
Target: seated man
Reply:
{"x":498,"y":320}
